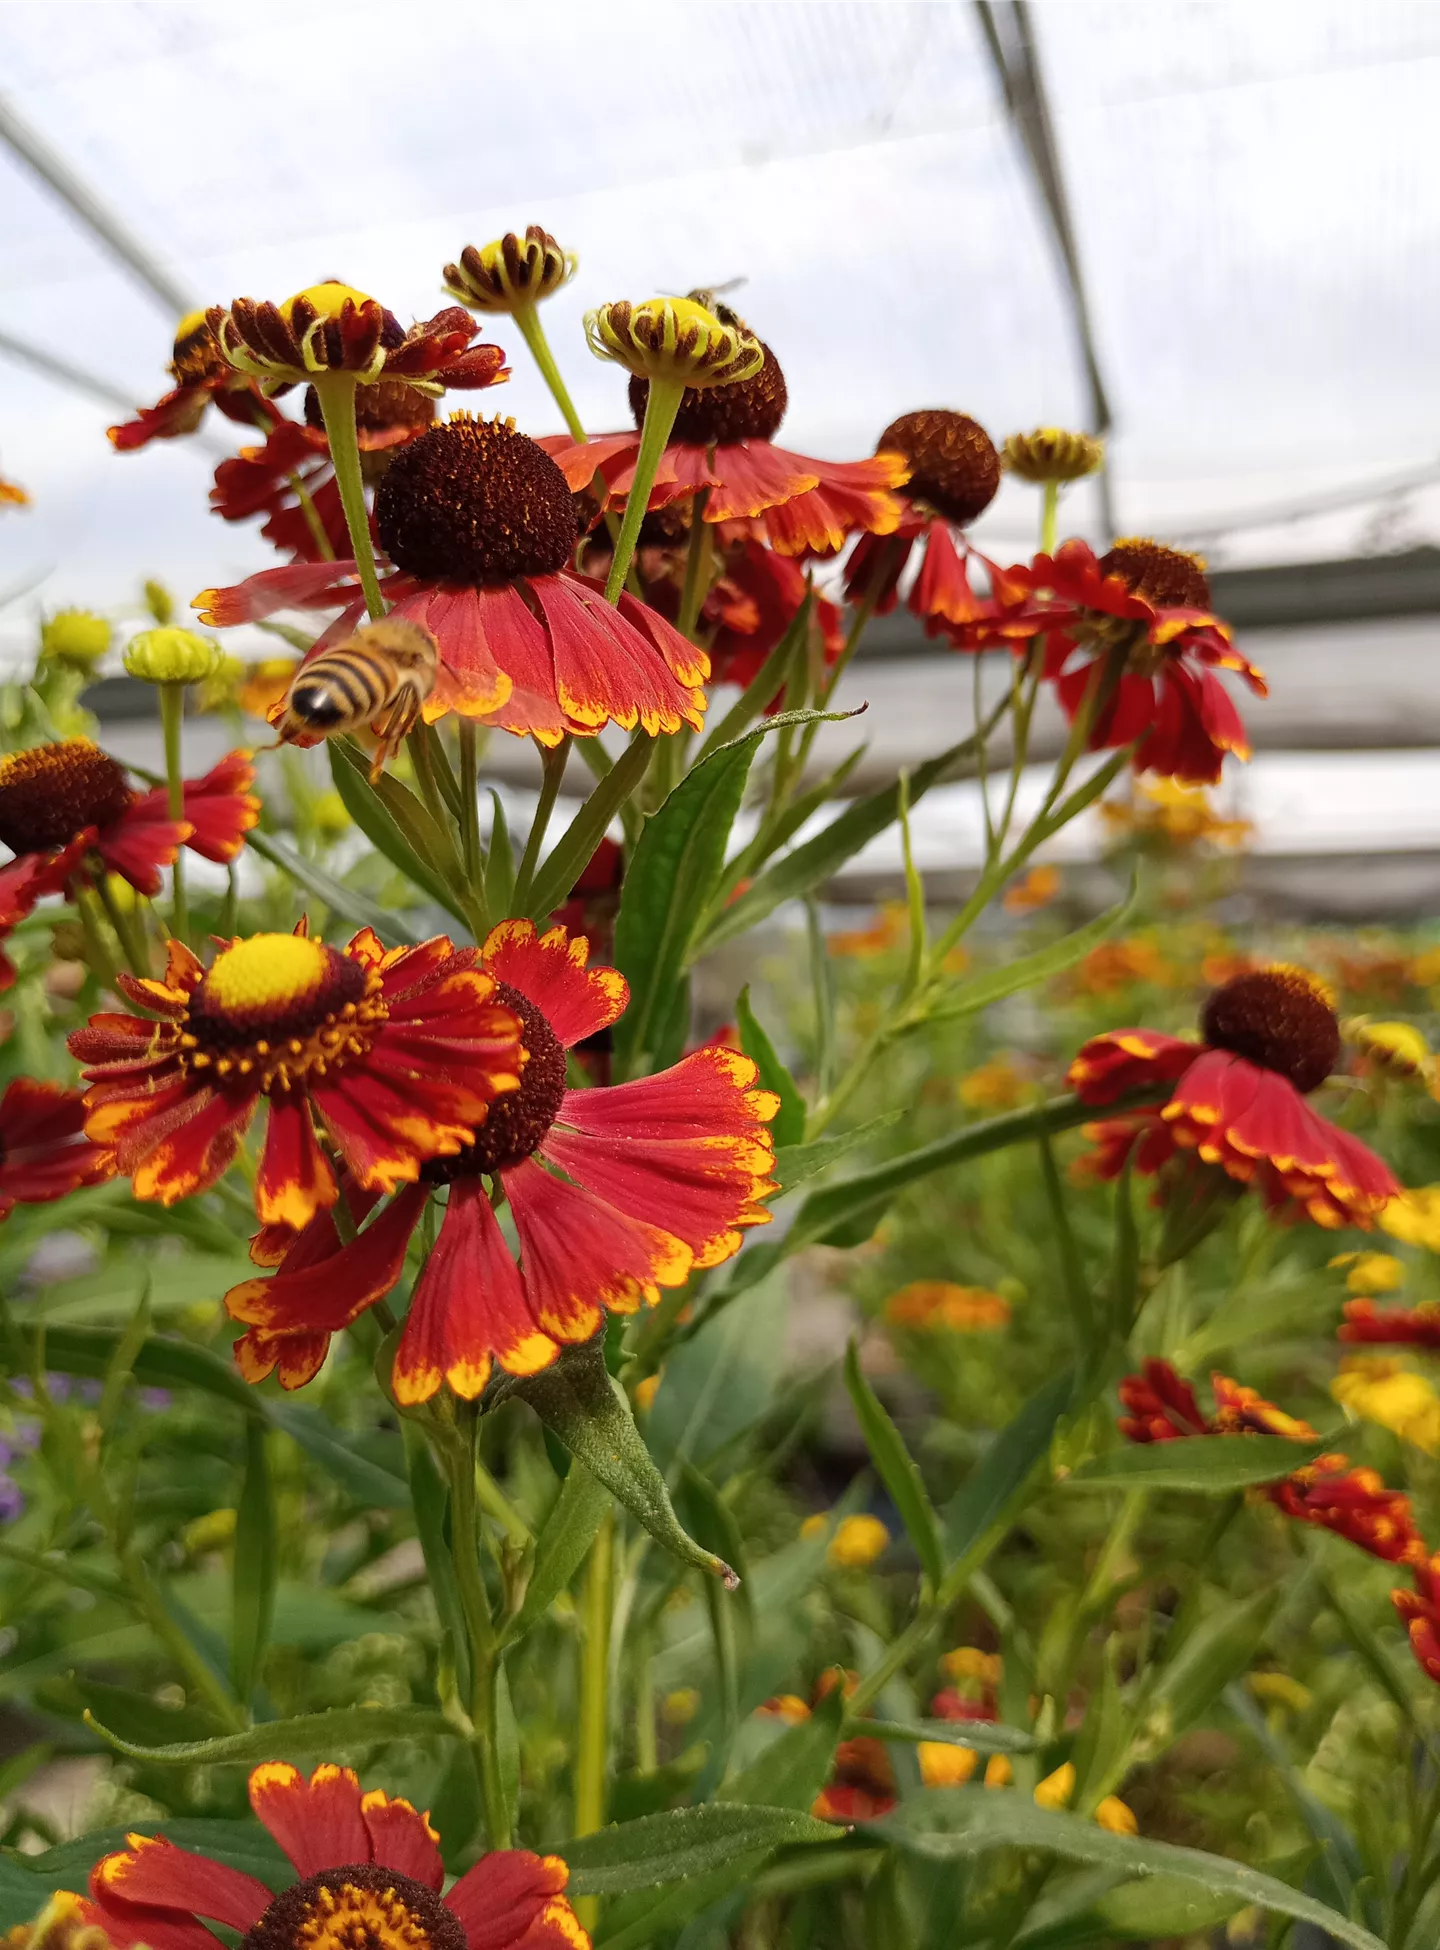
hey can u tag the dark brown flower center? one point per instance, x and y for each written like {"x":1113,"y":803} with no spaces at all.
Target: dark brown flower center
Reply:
{"x":52,"y":792}
{"x":474,"y":501}
{"x":744,"y":409}
{"x":1280,"y":1018}
{"x":1167,"y":577}
{"x":515,"y":1124}
{"x":361,"y":1906}
{"x":953,"y":462}
{"x":276,"y":1008}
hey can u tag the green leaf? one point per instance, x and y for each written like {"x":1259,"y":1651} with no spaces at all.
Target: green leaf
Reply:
{"x":565,"y":1537}
{"x":764,"y":686}
{"x":310,"y":1733}
{"x":379,"y":824}
{"x":1214,"y":1465}
{"x":788,"y":1127}
{"x":651,"y":1914}
{"x":371,"y":1486}
{"x":160,"y":1363}
{"x":818,"y":860}
{"x":256,"y":1554}
{"x":793,"y":1769}
{"x":1161,"y":1907}
{"x":1218,"y":1649}
{"x":342,"y":900}
{"x":685,"y":1842}
{"x":242,"y":1845}
{"x":994,"y":984}
{"x":674,"y":871}
{"x":499,"y":860}
{"x":431,"y":1501}
{"x":794,"y":1163}
{"x":956,"y":1822}
{"x":575,"y":848}
{"x":577,"y":1399}
{"x":897,"y":1469}
{"x":1001,"y":1475}
{"x":981,"y":1736}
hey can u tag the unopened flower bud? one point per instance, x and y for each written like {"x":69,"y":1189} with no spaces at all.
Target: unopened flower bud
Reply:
{"x":511,"y":272}
{"x":170,"y":656}
{"x":75,"y":636}
{"x":673,"y":339}
{"x":159,"y":602}
{"x":1049,"y":454}
{"x":1396,"y":1048}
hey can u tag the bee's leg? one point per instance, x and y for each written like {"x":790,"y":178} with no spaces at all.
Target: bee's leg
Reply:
{"x":391,"y":728}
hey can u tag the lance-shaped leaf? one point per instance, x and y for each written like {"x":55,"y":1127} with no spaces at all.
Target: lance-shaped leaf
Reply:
{"x":345,"y":901}
{"x":788,"y":1127}
{"x":950,"y":1823}
{"x":378,"y":821}
{"x":994,"y":984}
{"x":897,"y":1469}
{"x":793,"y":1768}
{"x":673,"y":874}
{"x":565,"y":1537}
{"x":577,"y":1399}
{"x":370,"y":1484}
{"x":984,"y":1502}
{"x":687,"y":1842}
{"x":297,"y":1739}
{"x":256,"y":1557}
{"x":1212,"y":1464}
{"x":573,"y":851}
{"x":981,"y":1736}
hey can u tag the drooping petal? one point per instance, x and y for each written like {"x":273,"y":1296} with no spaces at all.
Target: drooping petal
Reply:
{"x":222,"y":808}
{"x":302,"y":585}
{"x":317,"y":1822}
{"x":512,"y":1897}
{"x":154,"y":1872}
{"x":44,"y":1152}
{"x":178,"y":1146}
{"x":605,"y":670}
{"x":550,"y":971}
{"x":295,"y":1179}
{"x":579,"y":1255}
{"x":402,"y":1839}
{"x":469,"y":1308}
{"x":474,"y":683}
{"x":142,"y":841}
{"x":321,"y":1286}
{"x":134,"y":1926}
{"x":1122,"y":1060}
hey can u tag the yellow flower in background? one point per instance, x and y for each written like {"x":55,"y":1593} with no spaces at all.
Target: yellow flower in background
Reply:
{"x":1413,"y":1217}
{"x":944,"y":1764}
{"x":1383,"y":1392}
{"x":857,"y":1542}
{"x":788,"y":1707}
{"x":969,"y":1662}
{"x":1056,"y":1789}
{"x":1279,"y":1689}
{"x":932,"y":1306}
{"x":1371,"y":1272}
{"x":890,"y":927}
{"x":1000,"y":1084}
{"x":1113,"y":1814}
{"x":998,"y":1771}
{"x":265,"y":685}
{"x":645,"y":1392}
{"x":1036,"y":890}
{"x":1393,"y":1048}
{"x":1182,"y":814}
{"x":679,"y":1708}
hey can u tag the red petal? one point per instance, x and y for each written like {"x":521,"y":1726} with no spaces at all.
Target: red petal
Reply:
{"x":154,"y":1872}
{"x":1128,"y":1059}
{"x":319,"y":1290}
{"x":402,"y":1839}
{"x":143,"y":840}
{"x":605,"y":670}
{"x":750,"y":476}
{"x":317,"y":1822}
{"x":579,"y":1255}
{"x":506,"y":1894}
{"x":221,"y":808}
{"x":303,"y":585}
{"x":295,"y":1180}
{"x":550,"y":971}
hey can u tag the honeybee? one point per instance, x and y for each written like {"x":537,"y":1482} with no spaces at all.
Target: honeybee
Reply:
{"x":380,"y":676}
{"x":709,"y":297}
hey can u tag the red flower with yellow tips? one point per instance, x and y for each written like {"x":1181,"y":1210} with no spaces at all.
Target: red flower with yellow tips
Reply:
{"x":44,"y":1152}
{"x":479,"y":523}
{"x":1392,"y":1326}
{"x":203,"y":377}
{"x":1238,"y":1099}
{"x":954,"y":476}
{"x":396,"y":1053}
{"x":1131,"y":636}
{"x":660,"y":1176}
{"x":333,"y":328}
{"x":1420,"y":1613}
{"x":722,"y":445}
{"x":68,"y":812}
{"x":368,"y":1872}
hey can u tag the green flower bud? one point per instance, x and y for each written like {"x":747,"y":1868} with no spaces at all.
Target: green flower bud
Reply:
{"x":159,"y":602}
{"x":171,"y":656}
{"x":75,"y":636}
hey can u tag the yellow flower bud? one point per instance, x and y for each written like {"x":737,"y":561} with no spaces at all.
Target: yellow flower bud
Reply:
{"x":1371,"y":1273}
{"x":969,"y":1662}
{"x":816,"y":1525}
{"x":75,"y":636}
{"x":677,"y":1709}
{"x":943,"y":1764}
{"x":1049,"y":454}
{"x":1113,"y":1814}
{"x":675,"y":339}
{"x":1396,"y":1048}
{"x":171,"y":656}
{"x":1279,"y":1689}
{"x":857,"y":1543}
{"x":1057,"y":1788}
{"x":511,"y":272}
{"x":646,"y":1391}
{"x":60,"y":1925}
{"x":998,"y":1771}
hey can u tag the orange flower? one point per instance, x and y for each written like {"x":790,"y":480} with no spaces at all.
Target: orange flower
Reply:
{"x":367,"y":1869}
{"x":890,"y":927}
{"x":1392,"y":1326}
{"x":1037,"y":889}
{"x":397,"y":1052}
{"x":1116,"y":965}
{"x":1003,"y":1083}
{"x":931,"y":1306}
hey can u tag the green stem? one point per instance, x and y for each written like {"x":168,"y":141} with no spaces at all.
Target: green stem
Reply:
{"x":417,"y":743}
{"x":132,"y":950}
{"x":593,"y":1737}
{"x":527,"y":317}
{"x":312,"y":518}
{"x":552,"y":760}
{"x":699,"y":566}
{"x":647,"y":1742}
{"x":98,"y":957}
{"x":470,"y":801}
{"x":475,"y":1603}
{"x":1049,"y":516}
{"x":199,"y":1677}
{"x":172,"y":714}
{"x":336,"y":394}
{"x":661,"y":406}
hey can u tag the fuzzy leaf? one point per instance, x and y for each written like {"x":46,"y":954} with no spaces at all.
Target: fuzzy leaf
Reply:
{"x":309,"y":1733}
{"x":897,"y":1469}
{"x":1214,"y":1465}
{"x":686,"y":1842}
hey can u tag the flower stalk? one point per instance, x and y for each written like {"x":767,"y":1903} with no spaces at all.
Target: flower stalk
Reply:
{"x":336,"y":394}
{"x":661,"y":406}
